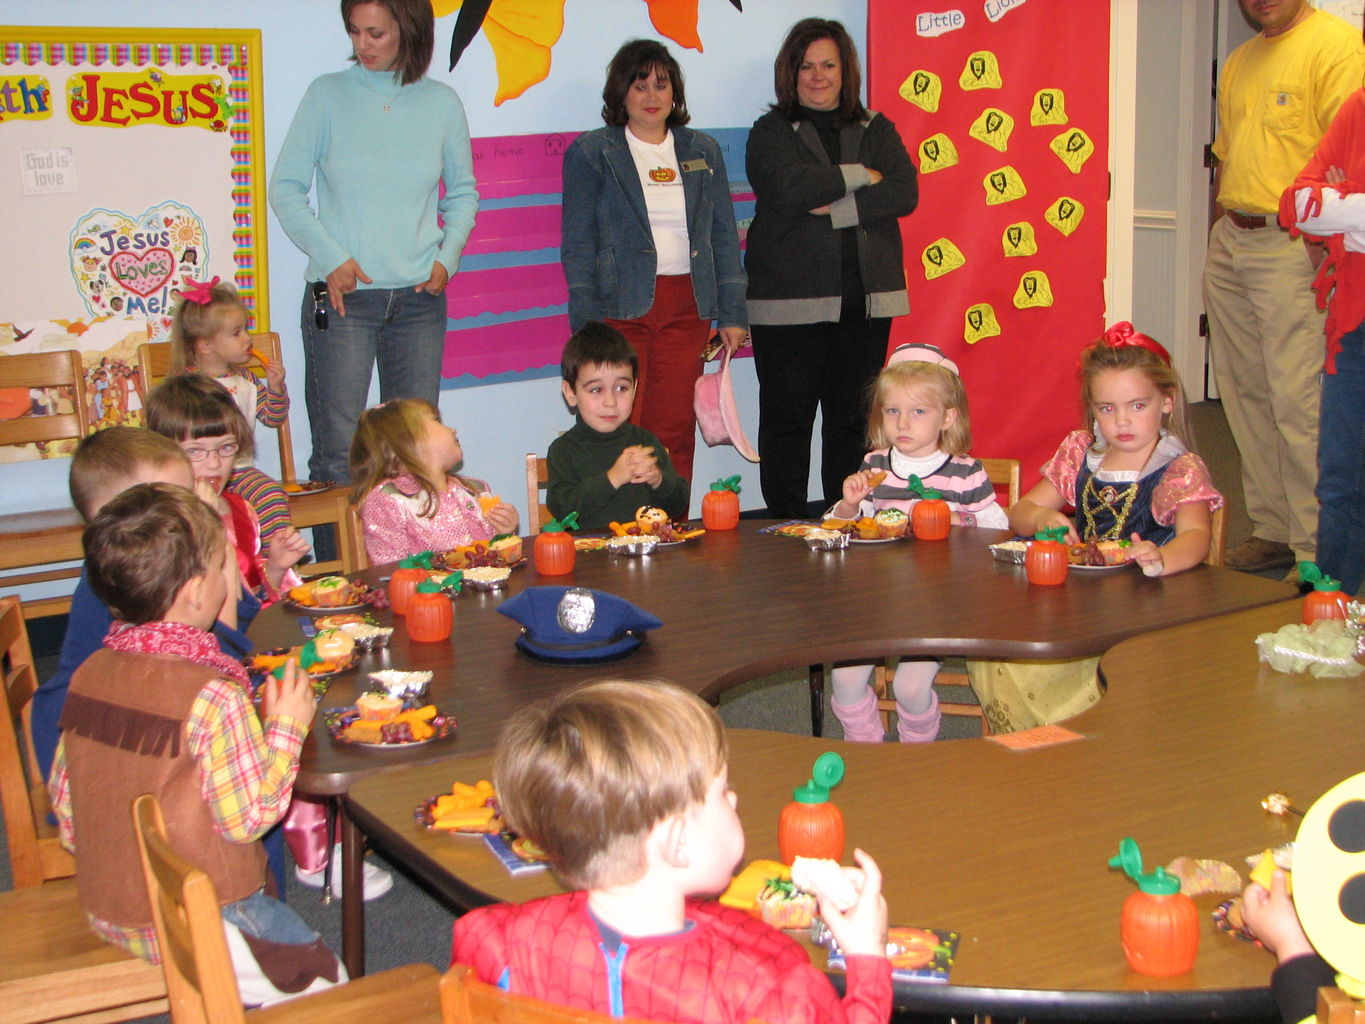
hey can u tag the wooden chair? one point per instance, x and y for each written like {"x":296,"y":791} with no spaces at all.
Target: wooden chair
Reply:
{"x":537,"y":478}
{"x":52,"y":966}
{"x":467,"y":1000}
{"x":355,"y":529}
{"x":1004,"y":473}
{"x":1334,"y":1007}
{"x":49,"y":536}
{"x":1218,"y":537}
{"x":198,"y":969}
{"x":314,"y":508}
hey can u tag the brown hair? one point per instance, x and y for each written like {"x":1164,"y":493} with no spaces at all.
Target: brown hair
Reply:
{"x":386,"y":444}
{"x":106,"y":461}
{"x":416,"y":34}
{"x":146,"y":544}
{"x":922,"y":378}
{"x":188,"y":406}
{"x":635,"y":61}
{"x":587,"y":774}
{"x":1101,"y":356}
{"x":192,"y":322}
{"x":787,"y":66}
{"x":596,"y":344}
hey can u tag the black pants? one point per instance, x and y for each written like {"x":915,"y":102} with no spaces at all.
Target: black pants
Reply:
{"x":802,"y":367}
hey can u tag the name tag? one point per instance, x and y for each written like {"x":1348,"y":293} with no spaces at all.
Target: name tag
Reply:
{"x":695,"y":165}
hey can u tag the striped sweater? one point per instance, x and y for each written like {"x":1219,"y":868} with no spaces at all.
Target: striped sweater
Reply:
{"x":959,"y":479}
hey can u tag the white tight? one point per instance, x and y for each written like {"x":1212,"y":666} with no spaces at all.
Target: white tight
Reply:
{"x":912,"y":684}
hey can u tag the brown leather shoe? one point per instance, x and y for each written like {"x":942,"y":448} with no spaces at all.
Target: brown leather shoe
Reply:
{"x":1257,"y":555}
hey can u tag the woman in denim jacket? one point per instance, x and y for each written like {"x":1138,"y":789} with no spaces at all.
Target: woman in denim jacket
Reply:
{"x":650,"y":244}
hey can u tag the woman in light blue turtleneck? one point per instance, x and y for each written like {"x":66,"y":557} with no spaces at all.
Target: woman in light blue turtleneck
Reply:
{"x":377,"y":140}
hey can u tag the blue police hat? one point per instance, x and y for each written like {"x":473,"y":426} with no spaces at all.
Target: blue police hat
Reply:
{"x":577,"y":626}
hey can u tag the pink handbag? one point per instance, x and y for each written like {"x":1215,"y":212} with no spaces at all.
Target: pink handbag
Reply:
{"x":713,"y":399}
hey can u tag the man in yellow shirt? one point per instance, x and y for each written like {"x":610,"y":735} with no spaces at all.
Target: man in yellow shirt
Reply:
{"x":1278,"y":93}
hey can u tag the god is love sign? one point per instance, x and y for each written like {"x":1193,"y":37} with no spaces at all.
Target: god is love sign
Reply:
{"x":142,"y":158}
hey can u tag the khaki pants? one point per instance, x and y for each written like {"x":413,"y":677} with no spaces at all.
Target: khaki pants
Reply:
{"x":1018,"y":695}
{"x":1266,"y":336}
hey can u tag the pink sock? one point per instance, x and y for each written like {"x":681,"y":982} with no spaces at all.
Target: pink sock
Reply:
{"x":862,"y":721}
{"x":921,"y":728}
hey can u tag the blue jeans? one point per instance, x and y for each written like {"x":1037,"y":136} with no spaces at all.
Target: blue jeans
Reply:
{"x":262,"y":917}
{"x":1341,"y":466}
{"x":403,"y":330}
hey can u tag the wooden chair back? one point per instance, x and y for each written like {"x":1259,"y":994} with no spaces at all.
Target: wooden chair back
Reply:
{"x":1336,"y":1007}
{"x":1218,"y":537}
{"x":46,"y":370}
{"x":467,"y":1000}
{"x":537,"y":479}
{"x":355,"y":533}
{"x":35,"y":852}
{"x":1004,"y":473}
{"x":200,"y":980}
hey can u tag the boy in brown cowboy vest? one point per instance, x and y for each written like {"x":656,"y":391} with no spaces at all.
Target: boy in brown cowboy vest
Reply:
{"x":161,"y":709}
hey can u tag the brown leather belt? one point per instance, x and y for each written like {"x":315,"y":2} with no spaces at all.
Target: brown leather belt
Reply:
{"x":1251,"y":221}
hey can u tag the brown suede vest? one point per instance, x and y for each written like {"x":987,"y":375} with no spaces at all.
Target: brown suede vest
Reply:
{"x":124,"y":729}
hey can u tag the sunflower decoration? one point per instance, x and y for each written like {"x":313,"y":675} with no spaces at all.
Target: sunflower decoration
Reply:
{"x":523,"y":32}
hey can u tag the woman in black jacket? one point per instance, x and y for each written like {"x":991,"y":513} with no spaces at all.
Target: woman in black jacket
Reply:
{"x":824,"y":260}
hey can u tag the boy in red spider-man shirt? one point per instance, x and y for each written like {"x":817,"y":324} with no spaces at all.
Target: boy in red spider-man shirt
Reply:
{"x":624,"y":786}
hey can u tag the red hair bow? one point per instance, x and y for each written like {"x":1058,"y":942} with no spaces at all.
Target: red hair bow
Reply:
{"x":1122,"y":335}
{"x":198,"y":291}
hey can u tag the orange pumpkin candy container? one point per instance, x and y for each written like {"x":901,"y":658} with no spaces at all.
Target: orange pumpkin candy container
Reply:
{"x":1325,"y":600}
{"x":554,"y":551}
{"x":720,"y":505}
{"x":430,"y":616}
{"x":403,"y":583}
{"x":930,"y":517}
{"x":811,"y":826}
{"x":1159,"y":927}
{"x":1045,"y":561}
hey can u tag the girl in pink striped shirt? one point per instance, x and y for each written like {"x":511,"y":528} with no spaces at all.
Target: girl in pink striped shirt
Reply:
{"x":919,"y":427}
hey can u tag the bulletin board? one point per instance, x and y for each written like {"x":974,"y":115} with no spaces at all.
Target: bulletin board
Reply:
{"x":130,"y":158}
{"x":1004,"y":109}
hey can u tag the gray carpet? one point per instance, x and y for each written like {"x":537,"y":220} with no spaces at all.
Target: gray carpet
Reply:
{"x":408,"y":925}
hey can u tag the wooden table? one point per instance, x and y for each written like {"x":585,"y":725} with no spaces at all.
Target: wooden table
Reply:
{"x":737,"y":605}
{"x":1010,"y":848}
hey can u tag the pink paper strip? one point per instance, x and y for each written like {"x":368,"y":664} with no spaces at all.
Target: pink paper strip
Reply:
{"x":517,"y":229}
{"x":505,"y":289}
{"x":484,"y":351}
{"x":518,"y":165}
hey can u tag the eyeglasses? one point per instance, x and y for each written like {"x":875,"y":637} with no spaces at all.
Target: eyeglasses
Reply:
{"x":320,"y":305}
{"x":223,"y":451}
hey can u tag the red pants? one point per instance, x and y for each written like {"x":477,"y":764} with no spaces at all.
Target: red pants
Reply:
{"x":668,"y":341}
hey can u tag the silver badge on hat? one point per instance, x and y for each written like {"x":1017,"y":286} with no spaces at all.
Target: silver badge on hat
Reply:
{"x":577,"y":610}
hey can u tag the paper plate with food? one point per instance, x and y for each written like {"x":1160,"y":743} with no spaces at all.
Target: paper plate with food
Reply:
{"x":367,"y":633}
{"x":503,"y":552}
{"x":1100,"y":555}
{"x":652,"y":521}
{"x":589,"y":543}
{"x":382,"y":722}
{"x":887,"y":525}
{"x":471,"y":808}
{"x":304,"y":486}
{"x":326,"y":655}
{"x":329,"y":595}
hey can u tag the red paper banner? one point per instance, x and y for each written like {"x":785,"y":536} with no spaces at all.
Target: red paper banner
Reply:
{"x":1004,"y":108}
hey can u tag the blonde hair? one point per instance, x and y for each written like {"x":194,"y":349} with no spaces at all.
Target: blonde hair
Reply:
{"x":191,"y":322}
{"x":587,"y":774}
{"x":1102,"y":357}
{"x":387,"y":443}
{"x":917,"y":378}
{"x":106,"y":462}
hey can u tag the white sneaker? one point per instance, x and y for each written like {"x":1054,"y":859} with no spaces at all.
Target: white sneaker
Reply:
{"x":376,"y":880}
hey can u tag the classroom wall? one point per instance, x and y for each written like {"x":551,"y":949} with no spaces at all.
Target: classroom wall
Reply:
{"x":728,"y":85}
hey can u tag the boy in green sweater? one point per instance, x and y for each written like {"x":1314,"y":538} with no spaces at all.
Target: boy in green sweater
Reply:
{"x":606,"y":467}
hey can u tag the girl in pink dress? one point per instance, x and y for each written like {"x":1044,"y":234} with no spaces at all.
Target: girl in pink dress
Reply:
{"x":402,"y":465}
